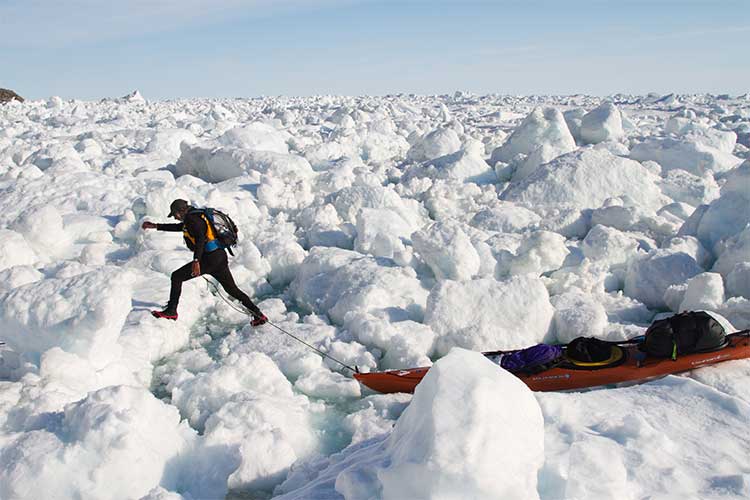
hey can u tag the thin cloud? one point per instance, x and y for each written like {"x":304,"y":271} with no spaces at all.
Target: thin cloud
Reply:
{"x":52,"y":24}
{"x":504,"y":51}
{"x":724,"y":30}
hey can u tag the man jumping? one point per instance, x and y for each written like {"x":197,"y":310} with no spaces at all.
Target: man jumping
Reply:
{"x":208,"y":258}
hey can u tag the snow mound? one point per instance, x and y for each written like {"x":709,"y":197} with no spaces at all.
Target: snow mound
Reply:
{"x":269,"y":434}
{"x":723,"y":140}
{"x":585,"y":179}
{"x":381,"y":143}
{"x":452,"y":200}
{"x":485,"y":314}
{"x":42,"y":227}
{"x":448,"y":251}
{"x":506,"y":218}
{"x":200,"y":396}
{"x":82,"y":315}
{"x":539,"y":253}
{"x":602,"y":124}
{"x":127,"y":440}
{"x":15,"y":250}
{"x":734,"y":255}
{"x":726,"y":216}
{"x":256,"y":136}
{"x":340,"y":282}
{"x":609,"y":245}
{"x":223,"y":163}
{"x":632,"y":218}
{"x":325,"y":384}
{"x":350,"y":200}
{"x":323,"y":156}
{"x":323,"y":227}
{"x":405,"y":344}
{"x":682,"y":186}
{"x":689,"y":245}
{"x":465,"y":165}
{"x":451,"y":416}
{"x":578,"y":314}
{"x":437,"y":143}
{"x":568,"y":221}
{"x":167,"y":142}
{"x":284,"y":256}
{"x":573,"y":118}
{"x":381,"y":233}
{"x":13,"y":277}
{"x":542,"y":136}
{"x":738,"y":281}
{"x":543,"y":125}
{"x":133,"y":97}
{"x":704,"y":291}
{"x":686,"y":154}
{"x":649,"y":277}
{"x":290,"y":193}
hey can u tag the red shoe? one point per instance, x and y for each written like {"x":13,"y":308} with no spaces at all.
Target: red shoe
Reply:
{"x":166,"y":314}
{"x":259,"y":320}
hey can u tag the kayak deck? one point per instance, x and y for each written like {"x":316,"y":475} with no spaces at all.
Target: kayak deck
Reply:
{"x":634,"y":368}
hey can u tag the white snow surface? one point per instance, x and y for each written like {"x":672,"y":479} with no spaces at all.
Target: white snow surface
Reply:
{"x":388,"y":233}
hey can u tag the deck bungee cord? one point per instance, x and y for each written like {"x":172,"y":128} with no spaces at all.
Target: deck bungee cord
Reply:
{"x":240,"y":310}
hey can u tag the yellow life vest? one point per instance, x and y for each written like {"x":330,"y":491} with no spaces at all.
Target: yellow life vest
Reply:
{"x":211,"y":242}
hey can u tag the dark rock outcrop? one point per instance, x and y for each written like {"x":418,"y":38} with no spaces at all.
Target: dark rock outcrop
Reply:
{"x":8,"y":95}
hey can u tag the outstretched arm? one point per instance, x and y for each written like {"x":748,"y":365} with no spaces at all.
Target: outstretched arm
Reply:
{"x":170,"y":227}
{"x":162,"y":227}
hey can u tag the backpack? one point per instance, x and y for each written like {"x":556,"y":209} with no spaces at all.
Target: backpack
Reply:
{"x":684,"y":333}
{"x":588,"y":350}
{"x":591,"y":353}
{"x":223,"y":227}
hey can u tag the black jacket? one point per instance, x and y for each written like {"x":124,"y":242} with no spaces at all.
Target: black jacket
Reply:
{"x":195,"y":226}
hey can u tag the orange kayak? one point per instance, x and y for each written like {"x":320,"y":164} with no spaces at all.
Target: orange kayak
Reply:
{"x":635,"y":368}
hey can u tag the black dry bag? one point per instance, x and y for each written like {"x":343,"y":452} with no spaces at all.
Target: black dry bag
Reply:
{"x":684,"y":333}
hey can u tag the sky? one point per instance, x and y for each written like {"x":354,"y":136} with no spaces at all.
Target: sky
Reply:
{"x":90,"y":49}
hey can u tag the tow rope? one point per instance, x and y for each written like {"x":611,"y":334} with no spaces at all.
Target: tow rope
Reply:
{"x":243,"y":311}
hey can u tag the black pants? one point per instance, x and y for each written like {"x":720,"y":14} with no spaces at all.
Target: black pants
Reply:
{"x":214,"y":264}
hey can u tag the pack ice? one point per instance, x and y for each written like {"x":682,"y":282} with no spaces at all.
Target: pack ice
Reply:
{"x":387,"y":233}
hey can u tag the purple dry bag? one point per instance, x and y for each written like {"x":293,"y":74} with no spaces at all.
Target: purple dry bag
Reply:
{"x":532,"y":359}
